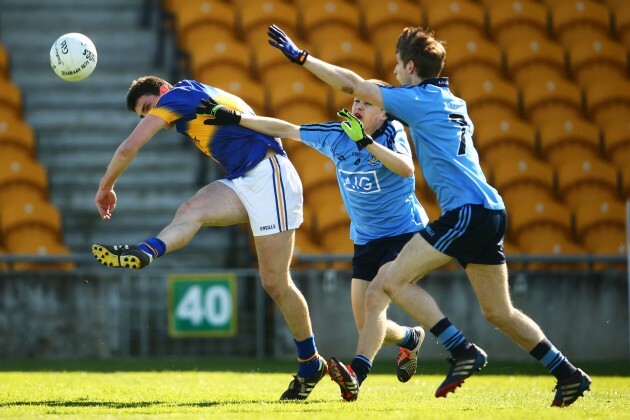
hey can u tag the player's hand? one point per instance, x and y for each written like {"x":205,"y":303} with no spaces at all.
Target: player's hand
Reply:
{"x":105,"y":203}
{"x":281,"y":41}
{"x":221,"y":114}
{"x":354,"y":129}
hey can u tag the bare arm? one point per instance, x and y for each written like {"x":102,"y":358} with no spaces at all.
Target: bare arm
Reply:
{"x":396,"y":162}
{"x":106,"y":197}
{"x":271,"y":126}
{"x":345,"y":80}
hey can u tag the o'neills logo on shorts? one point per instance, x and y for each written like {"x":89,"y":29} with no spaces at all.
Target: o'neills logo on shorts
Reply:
{"x":268,"y":227}
{"x":429,"y":231}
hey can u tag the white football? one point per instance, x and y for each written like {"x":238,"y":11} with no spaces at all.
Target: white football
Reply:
{"x":73,"y":57}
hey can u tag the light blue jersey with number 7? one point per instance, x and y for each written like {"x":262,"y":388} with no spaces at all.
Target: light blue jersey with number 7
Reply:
{"x":441,"y":131}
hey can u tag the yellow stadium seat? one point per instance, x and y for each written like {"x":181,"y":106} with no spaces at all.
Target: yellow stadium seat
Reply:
{"x":465,"y":56}
{"x":551,"y":98}
{"x":502,"y":139}
{"x":578,"y":20}
{"x":456,"y":19}
{"x":527,"y":178}
{"x":16,"y":135}
{"x":11,"y":98}
{"x":299,"y":100}
{"x":608,"y":101}
{"x":621,"y":13}
{"x":617,"y":143}
{"x":21,"y":220}
{"x":336,"y":240}
{"x":21,"y":178}
{"x":488,"y":96}
{"x":4,"y":62}
{"x":321,"y":20}
{"x":586,"y":180}
{"x":191,"y":15}
{"x":529,"y":56}
{"x":625,"y":181}
{"x":351,"y":53}
{"x":382,"y":20}
{"x":551,"y":243}
{"x":514,"y":19}
{"x":569,"y":139}
{"x":328,"y":207}
{"x":236,"y":83}
{"x":223,"y":53}
{"x":256,"y":16}
{"x":592,"y":216}
{"x":530,"y":220}
{"x":314,"y":168}
{"x":597,"y":59}
{"x":41,"y":246}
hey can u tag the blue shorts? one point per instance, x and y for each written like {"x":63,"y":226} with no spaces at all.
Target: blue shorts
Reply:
{"x":369,"y":258}
{"x":470,"y":234}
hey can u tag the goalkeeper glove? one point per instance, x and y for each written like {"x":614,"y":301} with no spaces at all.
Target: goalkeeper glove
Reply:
{"x":354,"y":129}
{"x":281,"y":41}
{"x":222,"y":114}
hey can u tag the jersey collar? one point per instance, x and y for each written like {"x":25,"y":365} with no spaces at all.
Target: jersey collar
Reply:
{"x":439,"y":82}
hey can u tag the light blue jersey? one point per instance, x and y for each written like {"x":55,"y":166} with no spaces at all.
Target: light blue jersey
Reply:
{"x":380,"y":203}
{"x":442,"y":134}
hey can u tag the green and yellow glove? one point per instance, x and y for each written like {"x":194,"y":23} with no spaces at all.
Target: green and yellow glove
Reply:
{"x":354,"y":129}
{"x":222,"y":114}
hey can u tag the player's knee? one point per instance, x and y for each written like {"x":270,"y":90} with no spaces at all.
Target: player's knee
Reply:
{"x":274,"y":284}
{"x":497,"y":316}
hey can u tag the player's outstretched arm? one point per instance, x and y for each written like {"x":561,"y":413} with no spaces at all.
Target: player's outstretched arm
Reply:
{"x":221,"y":115}
{"x":338,"y":77}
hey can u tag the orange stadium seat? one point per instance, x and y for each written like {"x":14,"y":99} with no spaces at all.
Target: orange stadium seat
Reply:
{"x":478,"y":56}
{"x":515,"y":19}
{"x":299,"y":100}
{"x":608,"y":101}
{"x":328,"y":207}
{"x":271,"y":66}
{"x":454,"y":20}
{"x":600,"y":58}
{"x":625,"y":181}
{"x":592,"y":216}
{"x":191,"y":15}
{"x":551,"y":243}
{"x":351,"y":53}
{"x":530,"y":220}
{"x":569,"y":139}
{"x":336,"y":240}
{"x":256,"y":16}
{"x":383,"y":21}
{"x":579,"y":20}
{"x":225,"y":53}
{"x":617,"y":143}
{"x":16,"y":135}
{"x":534,"y":56}
{"x":551,"y":98}
{"x":324,"y":20}
{"x":24,"y":219}
{"x":41,"y":246}
{"x":502,"y":139}
{"x":305,"y":245}
{"x":11,"y":98}
{"x":4,"y":62}
{"x":315,"y":169}
{"x":584,"y":180}
{"x":527,"y":178}
{"x":488,"y":97}
{"x":21,"y":178}
{"x":622,"y":22}
{"x":236,"y":83}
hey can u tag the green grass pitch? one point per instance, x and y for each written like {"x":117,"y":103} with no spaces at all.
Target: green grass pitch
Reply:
{"x":230,"y":388}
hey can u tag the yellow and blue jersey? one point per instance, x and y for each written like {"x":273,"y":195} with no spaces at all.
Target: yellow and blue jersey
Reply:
{"x":237,"y":149}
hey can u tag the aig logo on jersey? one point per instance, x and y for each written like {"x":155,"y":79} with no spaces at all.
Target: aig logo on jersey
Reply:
{"x":360,"y":182}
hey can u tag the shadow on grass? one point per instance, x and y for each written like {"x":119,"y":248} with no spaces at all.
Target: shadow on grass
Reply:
{"x":144,"y":404}
{"x":620,"y":368}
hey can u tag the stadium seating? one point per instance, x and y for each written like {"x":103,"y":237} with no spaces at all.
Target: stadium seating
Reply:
{"x":222,"y":53}
{"x":328,"y":207}
{"x":529,"y":56}
{"x":24,"y":219}
{"x":525,"y":179}
{"x":256,"y":16}
{"x":579,"y":20}
{"x":473,"y":56}
{"x":40,"y":246}
{"x":617,"y":142}
{"x":515,"y":19}
{"x":21,"y":178}
{"x":383,"y":21}
{"x":592,"y":217}
{"x":351,"y":53}
{"x":11,"y":98}
{"x":299,"y":100}
{"x":454,"y":20}
{"x":238,"y":84}
{"x":621,"y":16}
{"x":16,"y":136}
{"x":314,"y":168}
{"x":551,"y":98}
{"x":587,"y":180}
{"x":492,"y":97}
{"x":4,"y":62}
{"x":329,"y":19}
{"x":608,"y":101}
{"x":532,"y":220}
{"x":569,"y":139}
{"x":192,"y":15}
{"x":551,"y":243}
{"x":336,"y":240}
{"x":625,"y":181}
{"x":597,"y":59}
{"x":504,"y":139}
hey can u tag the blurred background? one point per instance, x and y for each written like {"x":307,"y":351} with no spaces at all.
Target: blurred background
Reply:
{"x":547,"y":86}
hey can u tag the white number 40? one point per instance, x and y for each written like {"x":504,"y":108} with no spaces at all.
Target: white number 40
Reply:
{"x":215,"y":305}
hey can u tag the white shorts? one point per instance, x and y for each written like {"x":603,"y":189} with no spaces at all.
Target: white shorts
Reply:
{"x":272,"y":196}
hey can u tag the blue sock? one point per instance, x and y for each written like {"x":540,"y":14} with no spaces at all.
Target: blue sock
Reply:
{"x":411,"y":339}
{"x":307,"y":357}
{"x":361,"y":367}
{"x":553,"y":360}
{"x":154,"y":247}
{"x":451,"y":338}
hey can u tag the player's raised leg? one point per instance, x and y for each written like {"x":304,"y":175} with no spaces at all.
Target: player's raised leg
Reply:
{"x":215,"y":204}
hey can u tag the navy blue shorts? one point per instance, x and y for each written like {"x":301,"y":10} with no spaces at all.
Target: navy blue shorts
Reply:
{"x":470,"y":234}
{"x":370,"y":257}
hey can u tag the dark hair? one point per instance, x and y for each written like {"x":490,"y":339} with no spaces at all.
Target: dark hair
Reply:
{"x":427,"y":53}
{"x":147,"y":85}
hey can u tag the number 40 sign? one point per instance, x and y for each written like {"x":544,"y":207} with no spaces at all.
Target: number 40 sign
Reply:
{"x":202,"y":305}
